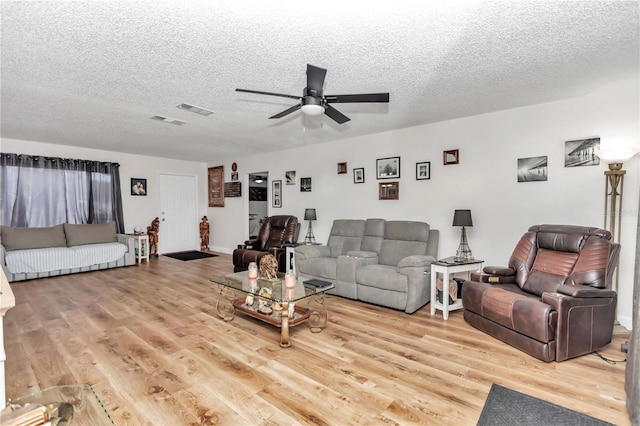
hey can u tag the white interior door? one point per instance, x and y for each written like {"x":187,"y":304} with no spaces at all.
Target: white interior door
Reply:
{"x":178,"y":214}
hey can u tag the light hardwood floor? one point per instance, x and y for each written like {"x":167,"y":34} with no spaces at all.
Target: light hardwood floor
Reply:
{"x":149,"y":341}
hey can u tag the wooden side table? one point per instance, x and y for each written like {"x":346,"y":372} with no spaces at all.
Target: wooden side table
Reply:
{"x":446,"y":267}
{"x":142,"y":247}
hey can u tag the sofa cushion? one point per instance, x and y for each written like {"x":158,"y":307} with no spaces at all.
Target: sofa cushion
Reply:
{"x":345,"y":236}
{"x":324,"y":267}
{"x":32,"y":238}
{"x":382,"y":277}
{"x":90,"y":233}
{"x":402,"y":239}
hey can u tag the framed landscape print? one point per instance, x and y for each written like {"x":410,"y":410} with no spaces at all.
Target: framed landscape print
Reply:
{"x":532,"y":169}
{"x":423,"y":170}
{"x":358,"y":175}
{"x":581,"y":152}
{"x":216,"y":186}
{"x":388,"y":168}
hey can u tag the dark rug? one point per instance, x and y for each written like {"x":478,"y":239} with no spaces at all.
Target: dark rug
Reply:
{"x":508,"y":407}
{"x":189,"y":255}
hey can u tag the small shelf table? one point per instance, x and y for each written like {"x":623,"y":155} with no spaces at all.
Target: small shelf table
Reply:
{"x":447,"y":267}
{"x":142,"y":247}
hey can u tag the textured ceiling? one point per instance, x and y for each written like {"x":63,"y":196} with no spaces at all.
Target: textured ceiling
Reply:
{"x":91,"y":74}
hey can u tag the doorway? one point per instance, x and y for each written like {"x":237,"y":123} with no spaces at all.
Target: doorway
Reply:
{"x":258,"y":201}
{"x":178,"y":214}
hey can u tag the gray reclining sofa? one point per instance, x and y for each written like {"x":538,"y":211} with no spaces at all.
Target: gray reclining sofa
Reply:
{"x":386,"y":263}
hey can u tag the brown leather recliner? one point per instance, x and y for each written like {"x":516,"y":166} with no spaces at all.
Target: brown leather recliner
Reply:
{"x":553,"y":301}
{"x":276,"y":231}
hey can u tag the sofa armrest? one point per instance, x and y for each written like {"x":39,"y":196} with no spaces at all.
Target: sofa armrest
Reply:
{"x":584,"y":291}
{"x":127,"y":240}
{"x":310,"y":251}
{"x":3,"y":264}
{"x":417,"y":261}
{"x":584,"y":324}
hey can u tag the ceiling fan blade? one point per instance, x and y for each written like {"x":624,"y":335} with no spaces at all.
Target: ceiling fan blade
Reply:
{"x":315,"y":80}
{"x":335,"y":115}
{"x":288,"y":111}
{"x":258,"y":92}
{"x":365,"y":97}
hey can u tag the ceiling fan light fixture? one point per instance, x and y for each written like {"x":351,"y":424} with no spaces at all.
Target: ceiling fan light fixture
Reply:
{"x":312,"y":110}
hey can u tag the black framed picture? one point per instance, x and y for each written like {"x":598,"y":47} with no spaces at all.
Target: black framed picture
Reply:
{"x":138,"y":186}
{"x":423,"y":170}
{"x":358,"y":175}
{"x":388,"y":168}
{"x":305,"y":184}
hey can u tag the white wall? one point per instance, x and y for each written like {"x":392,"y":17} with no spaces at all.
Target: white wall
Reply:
{"x":484,"y":181}
{"x":138,"y":211}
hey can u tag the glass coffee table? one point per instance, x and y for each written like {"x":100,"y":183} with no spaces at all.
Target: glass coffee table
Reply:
{"x":272,"y":302}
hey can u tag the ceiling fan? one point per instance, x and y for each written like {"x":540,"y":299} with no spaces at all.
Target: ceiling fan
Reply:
{"x":313,"y":102}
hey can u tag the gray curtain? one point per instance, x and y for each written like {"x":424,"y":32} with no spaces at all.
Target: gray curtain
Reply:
{"x":632,"y":378}
{"x":42,"y":191}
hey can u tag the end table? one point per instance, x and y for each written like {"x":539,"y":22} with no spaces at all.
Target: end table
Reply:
{"x":446,"y":267}
{"x":142,"y":247}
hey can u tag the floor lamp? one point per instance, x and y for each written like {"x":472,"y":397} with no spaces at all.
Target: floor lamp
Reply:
{"x":613,"y":192}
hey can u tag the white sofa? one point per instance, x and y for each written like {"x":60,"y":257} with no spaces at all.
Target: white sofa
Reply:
{"x":28,"y":253}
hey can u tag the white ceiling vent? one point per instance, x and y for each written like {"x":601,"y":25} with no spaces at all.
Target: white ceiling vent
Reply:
{"x":197,"y":110}
{"x":168,"y":120}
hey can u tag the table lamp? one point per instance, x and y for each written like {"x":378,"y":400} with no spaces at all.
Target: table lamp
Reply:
{"x":310,"y":215}
{"x":463,"y":218}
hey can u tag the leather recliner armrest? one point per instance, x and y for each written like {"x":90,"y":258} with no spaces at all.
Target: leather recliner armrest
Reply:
{"x":499,"y":270}
{"x":584,"y":291}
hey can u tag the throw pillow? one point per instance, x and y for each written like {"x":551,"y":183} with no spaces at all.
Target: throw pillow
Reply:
{"x":95,"y":233}
{"x":32,"y":238}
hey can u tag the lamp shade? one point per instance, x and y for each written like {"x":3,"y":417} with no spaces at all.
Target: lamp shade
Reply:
{"x":310,"y":214}
{"x":614,"y":157}
{"x":462,"y":218}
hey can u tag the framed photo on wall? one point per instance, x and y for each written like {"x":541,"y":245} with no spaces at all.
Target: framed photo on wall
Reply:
{"x":216,"y":186}
{"x":358,"y":175}
{"x":138,"y":186}
{"x":581,"y":152}
{"x":290,"y":177}
{"x":305,"y":184}
{"x":388,"y":190}
{"x":276,"y":190}
{"x":342,"y":168}
{"x":423,"y":170}
{"x":451,"y":156}
{"x":532,"y":169}
{"x":388,"y":168}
